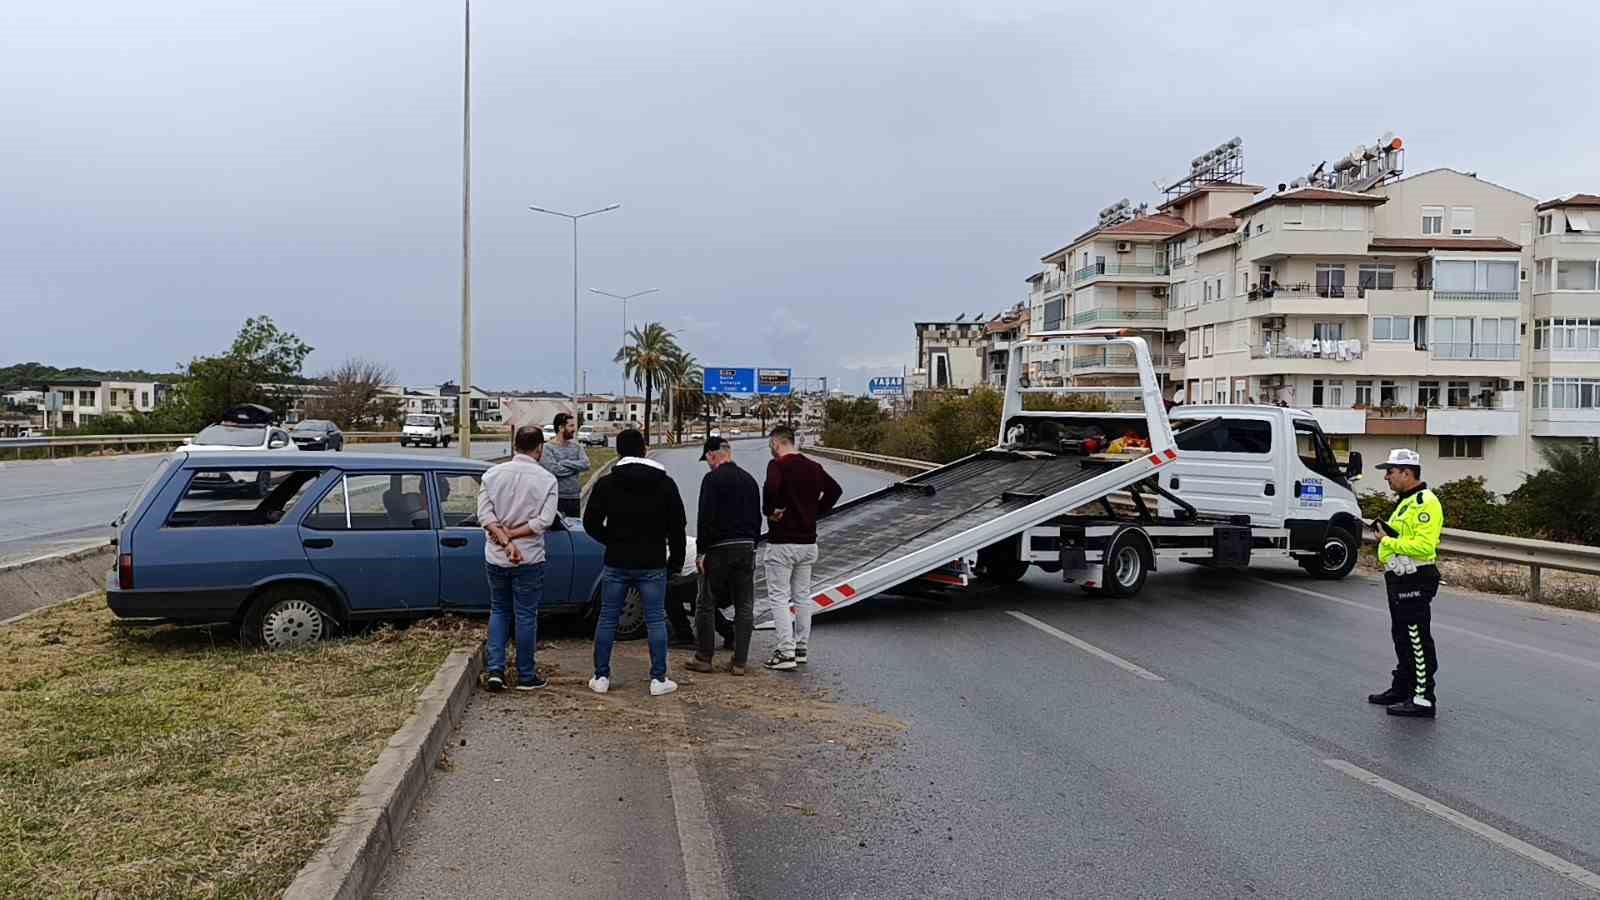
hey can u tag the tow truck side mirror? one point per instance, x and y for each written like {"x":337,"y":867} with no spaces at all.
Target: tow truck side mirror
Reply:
{"x":1353,"y":469}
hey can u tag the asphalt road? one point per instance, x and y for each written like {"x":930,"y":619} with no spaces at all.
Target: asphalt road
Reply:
{"x":50,"y":505}
{"x":1209,"y":738}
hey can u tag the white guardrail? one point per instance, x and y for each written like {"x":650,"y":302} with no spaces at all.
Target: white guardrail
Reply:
{"x":149,"y":440}
{"x":1534,"y":554}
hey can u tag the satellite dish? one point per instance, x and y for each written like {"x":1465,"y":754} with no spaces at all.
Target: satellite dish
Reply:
{"x":1236,"y":143}
{"x":1386,"y":140}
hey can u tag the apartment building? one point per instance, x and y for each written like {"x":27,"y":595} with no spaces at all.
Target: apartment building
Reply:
{"x":951,"y":354}
{"x":1394,"y":314}
{"x":1564,"y":369}
{"x":999,"y":333}
{"x":81,"y":401}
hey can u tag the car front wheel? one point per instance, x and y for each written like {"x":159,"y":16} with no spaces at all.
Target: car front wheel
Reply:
{"x":289,"y":616}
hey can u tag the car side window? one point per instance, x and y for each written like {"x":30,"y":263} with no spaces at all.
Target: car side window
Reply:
{"x":1227,"y":436}
{"x":458,"y":499}
{"x":240,"y":497}
{"x":373,"y":502}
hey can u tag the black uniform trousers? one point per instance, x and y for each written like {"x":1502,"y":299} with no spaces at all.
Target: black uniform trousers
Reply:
{"x":1410,"y":604}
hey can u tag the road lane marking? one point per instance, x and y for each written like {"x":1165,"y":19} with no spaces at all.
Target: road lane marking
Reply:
{"x":1465,"y":822}
{"x":1085,"y":646}
{"x":1437,"y":626}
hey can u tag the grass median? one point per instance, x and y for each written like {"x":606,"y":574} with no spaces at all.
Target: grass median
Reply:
{"x":171,"y":762}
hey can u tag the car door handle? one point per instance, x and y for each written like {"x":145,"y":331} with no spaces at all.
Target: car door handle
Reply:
{"x":317,"y":543}
{"x":453,"y":542}
{"x":1270,"y":490}
{"x":1297,"y":488}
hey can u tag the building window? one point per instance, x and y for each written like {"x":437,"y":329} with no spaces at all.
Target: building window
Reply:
{"x":86,"y":398}
{"x":1241,"y":390}
{"x":1566,"y":334}
{"x":1319,"y":393}
{"x":1330,"y":280}
{"x":1545,"y":223}
{"x":1327,"y":331}
{"x":1266,"y":277}
{"x":1460,"y":447}
{"x":1459,"y":396}
{"x":1391,"y":393}
{"x":1576,"y":275}
{"x":1391,"y":328}
{"x":1222,"y":391}
{"x":1208,"y":339}
{"x":1194,"y":343}
{"x":1205,"y":390}
{"x":1054,"y":311}
{"x":1483,"y":275}
{"x":1292,"y":214}
{"x":1374,"y":276}
{"x":1578,"y":222}
{"x":1207,"y":291}
{"x":1363,"y":392}
{"x":1428,"y":394}
{"x":1541,"y":275}
{"x":1432,"y":220}
{"x":1462,"y":219}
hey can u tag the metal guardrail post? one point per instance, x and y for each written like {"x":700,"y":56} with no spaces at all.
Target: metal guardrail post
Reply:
{"x":1533,"y":582}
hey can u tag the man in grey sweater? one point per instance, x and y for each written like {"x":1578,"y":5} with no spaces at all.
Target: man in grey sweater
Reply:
{"x":566,"y":460}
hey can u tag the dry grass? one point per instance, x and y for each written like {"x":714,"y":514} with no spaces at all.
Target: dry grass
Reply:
{"x":1568,"y":590}
{"x":171,"y":762}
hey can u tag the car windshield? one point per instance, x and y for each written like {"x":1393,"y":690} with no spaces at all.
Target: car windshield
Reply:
{"x":424,"y":421}
{"x":232,"y":435}
{"x":311,"y":426}
{"x":152,"y":481}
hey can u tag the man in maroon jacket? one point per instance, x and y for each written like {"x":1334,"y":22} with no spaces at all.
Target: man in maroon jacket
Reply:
{"x":796,"y":493}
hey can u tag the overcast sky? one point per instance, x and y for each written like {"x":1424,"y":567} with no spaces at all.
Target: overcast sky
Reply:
{"x":801,"y":181}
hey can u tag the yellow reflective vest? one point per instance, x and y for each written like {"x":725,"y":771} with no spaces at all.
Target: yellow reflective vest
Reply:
{"x":1417,"y":521}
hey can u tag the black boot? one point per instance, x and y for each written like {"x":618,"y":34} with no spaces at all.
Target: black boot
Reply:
{"x":1411,"y":710}
{"x":1391,"y":696}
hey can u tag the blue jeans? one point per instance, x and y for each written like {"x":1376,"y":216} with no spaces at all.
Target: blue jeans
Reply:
{"x":514,"y":592}
{"x":614,"y":586}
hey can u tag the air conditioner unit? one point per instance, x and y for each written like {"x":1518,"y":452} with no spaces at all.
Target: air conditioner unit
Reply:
{"x":1158,"y":292}
{"x":1124,"y":246}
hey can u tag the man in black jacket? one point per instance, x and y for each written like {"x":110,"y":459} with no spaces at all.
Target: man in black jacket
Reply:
{"x":729,"y":521}
{"x":636,"y":512}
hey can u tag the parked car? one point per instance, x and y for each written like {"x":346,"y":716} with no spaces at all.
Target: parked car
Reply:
{"x":337,"y":541}
{"x":425,"y":428}
{"x":590,"y":438}
{"x":317,"y":434}
{"x":247,"y":426}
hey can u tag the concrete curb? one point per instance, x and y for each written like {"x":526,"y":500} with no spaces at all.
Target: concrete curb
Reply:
{"x":35,"y":584}
{"x":352,"y":859}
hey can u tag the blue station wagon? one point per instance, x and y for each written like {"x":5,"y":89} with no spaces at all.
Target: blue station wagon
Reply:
{"x":333,"y":542}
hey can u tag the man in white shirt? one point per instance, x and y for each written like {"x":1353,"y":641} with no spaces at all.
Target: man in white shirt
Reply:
{"x":517,"y":503}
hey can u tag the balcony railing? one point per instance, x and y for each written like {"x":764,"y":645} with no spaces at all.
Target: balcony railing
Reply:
{"x":1111,"y":268}
{"x":1112,"y":313}
{"x":1465,"y":350}
{"x":1479,"y":296}
{"x":1115,"y":359}
{"x":1293,"y":348}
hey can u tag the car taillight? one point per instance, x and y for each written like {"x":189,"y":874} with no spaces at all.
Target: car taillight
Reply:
{"x":125,"y":571}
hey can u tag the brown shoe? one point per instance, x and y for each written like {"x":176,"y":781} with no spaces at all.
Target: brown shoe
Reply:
{"x":698,"y":665}
{"x":734,"y":668}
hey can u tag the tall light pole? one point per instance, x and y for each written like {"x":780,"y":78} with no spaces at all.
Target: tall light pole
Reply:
{"x":624,"y":298}
{"x":574,"y":217}
{"x":464,"y":421}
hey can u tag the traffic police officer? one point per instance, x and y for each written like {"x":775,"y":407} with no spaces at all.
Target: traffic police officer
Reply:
{"x":1408,"y":546}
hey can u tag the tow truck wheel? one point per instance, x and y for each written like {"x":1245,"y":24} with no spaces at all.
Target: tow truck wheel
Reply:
{"x":1340,"y":551}
{"x":1125,"y":568}
{"x":999,"y":563}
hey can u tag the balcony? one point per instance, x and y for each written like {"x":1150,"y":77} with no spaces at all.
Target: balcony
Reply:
{"x":1338,"y":420}
{"x":1129,"y":270}
{"x":1473,"y":421}
{"x":1295,"y":348}
{"x":1396,"y":420}
{"x":1118,"y":359}
{"x":1464,"y":350}
{"x":1304,"y":299}
{"x":1116,"y":314}
{"x":1565,"y":423}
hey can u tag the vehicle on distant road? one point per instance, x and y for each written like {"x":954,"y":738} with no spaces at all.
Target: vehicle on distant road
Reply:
{"x":317,"y":434}
{"x":591,"y":438}
{"x":247,"y":426}
{"x":425,"y":428}
{"x":338,"y":541}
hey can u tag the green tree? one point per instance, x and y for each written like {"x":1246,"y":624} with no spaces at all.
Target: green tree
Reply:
{"x":854,"y":423}
{"x":262,"y":357}
{"x":1561,"y":502}
{"x":682,"y":376}
{"x":645,"y":359}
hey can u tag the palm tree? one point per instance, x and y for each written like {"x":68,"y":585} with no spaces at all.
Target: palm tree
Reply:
{"x":683,"y":377}
{"x":766,"y":410}
{"x":790,"y":405}
{"x":645,"y":359}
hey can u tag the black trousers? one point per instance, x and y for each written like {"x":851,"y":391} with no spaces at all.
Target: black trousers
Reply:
{"x":729,"y":579}
{"x":1410,"y":615}
{"x":568,"y":506}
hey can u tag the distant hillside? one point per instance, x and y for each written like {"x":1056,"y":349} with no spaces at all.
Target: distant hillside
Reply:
{"x":32,"y":374}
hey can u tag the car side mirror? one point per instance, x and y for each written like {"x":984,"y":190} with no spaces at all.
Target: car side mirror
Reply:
{"x":277,"y":444}
{"x":188,"y":440}
{"x":1353,"y":468}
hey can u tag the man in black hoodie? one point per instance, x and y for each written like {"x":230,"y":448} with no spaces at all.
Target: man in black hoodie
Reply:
{"x":636,"y":512}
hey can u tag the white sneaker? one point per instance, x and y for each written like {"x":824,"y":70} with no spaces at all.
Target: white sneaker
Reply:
{"x":599,"y":684}
{"x":663,"y":686}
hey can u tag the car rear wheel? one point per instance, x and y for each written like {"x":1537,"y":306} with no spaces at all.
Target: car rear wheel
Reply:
{"x":288,"y":616}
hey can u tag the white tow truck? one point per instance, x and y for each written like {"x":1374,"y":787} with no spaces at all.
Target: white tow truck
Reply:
{"x":1233,"y":484}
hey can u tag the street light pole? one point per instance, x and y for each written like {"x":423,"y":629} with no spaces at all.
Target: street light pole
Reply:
{"x":574,"y":217}
{"x":464,"y":423}
{"x":624,"y":298}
